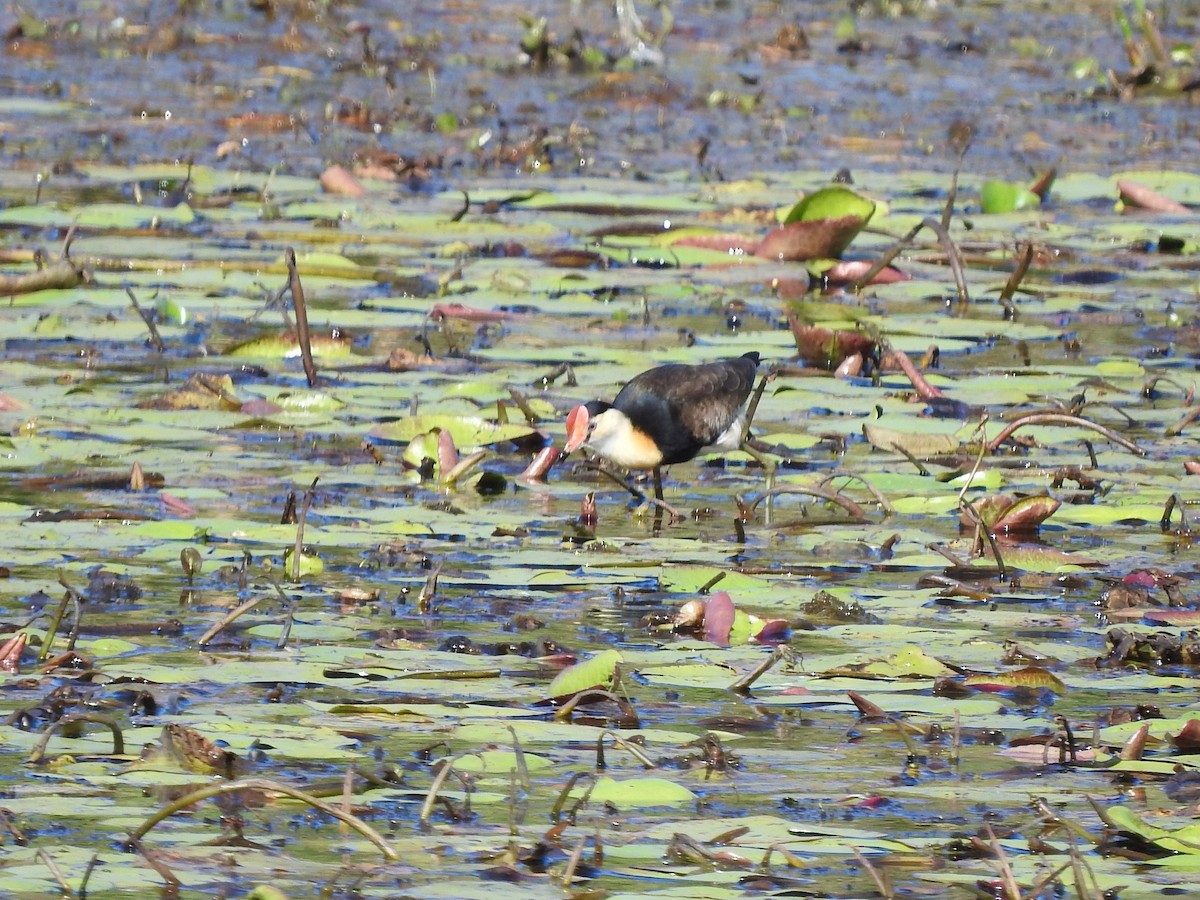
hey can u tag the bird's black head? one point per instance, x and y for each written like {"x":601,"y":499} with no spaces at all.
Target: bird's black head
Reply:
{"x":595,"y":407}
{"x":753,"y":356}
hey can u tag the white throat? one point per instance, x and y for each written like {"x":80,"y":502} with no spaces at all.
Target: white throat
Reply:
{"x":614,"y":437}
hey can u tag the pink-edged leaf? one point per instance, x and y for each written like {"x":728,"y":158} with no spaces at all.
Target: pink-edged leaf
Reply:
{"x":1179,"y":618}
{"x":826,"y":349}
{"x":8,"y":404}
{"x":718,"y":618}
{"x":920,"y":383}
{"x":1040,"y":754}
{"x":175,"y":506}
{"x":724,"y":242}
{"x":1141,"y":578}
{"x":468,"y":313}
{"x":848,"y":271}
{"x":817,"y":239}
{"x":10,"y":653}
{"x":990,"y":509}
{"x":1141,"y":197}
{"x":542,"y":463}
{"x":1027,"y":514}
{"x":447,"y":453}
{"x":260,"y":408}
{"x":849,"y":367}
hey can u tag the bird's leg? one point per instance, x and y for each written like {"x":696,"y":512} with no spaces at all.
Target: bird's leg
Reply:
{"x":656,"y":500}
{"x":658,"y":493}
{"x":752,"y":406}
{"x":768,"y":466}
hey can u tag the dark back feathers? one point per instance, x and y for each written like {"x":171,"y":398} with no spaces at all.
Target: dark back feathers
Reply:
{"x":685,"y":408}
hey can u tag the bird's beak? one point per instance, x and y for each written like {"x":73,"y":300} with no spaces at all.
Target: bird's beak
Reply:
{"x":577,"y":429}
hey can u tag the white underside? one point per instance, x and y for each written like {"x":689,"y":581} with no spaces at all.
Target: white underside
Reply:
{"x":614,"y":437}
{"x":731,"y":437}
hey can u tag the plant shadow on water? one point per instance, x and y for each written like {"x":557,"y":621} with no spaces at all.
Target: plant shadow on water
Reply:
{"x":355,"y":627}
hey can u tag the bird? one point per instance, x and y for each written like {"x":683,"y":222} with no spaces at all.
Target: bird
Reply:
{"x":668,"y":415}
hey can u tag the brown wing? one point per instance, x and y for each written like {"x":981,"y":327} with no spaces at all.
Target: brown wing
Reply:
{"x":715,"y":395}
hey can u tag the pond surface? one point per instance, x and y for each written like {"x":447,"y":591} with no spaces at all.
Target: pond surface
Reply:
{"x":909,"y":736}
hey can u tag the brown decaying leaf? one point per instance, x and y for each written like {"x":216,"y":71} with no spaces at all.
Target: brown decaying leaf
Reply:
{"x":403,"y":360}
{"x":60,"y":274}
{"x":1125,"y":596}
{"x":827,"y":349}
{"x":587,"y":510}
{"x":1042,"y":184}
{"x":542,"y":463}
{"x":201,"y":391}
{"x":815,"y":239}
{"x":1004,"y":514}
{"x":10,"y":653}
{"x":1187,"y":738}
{"x":866,"y":708}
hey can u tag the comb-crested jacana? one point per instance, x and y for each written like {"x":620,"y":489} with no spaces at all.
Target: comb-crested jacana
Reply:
{"x":668,"y":415}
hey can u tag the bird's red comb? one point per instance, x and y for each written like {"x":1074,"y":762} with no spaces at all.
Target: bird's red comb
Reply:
{"x":577,"y":429}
